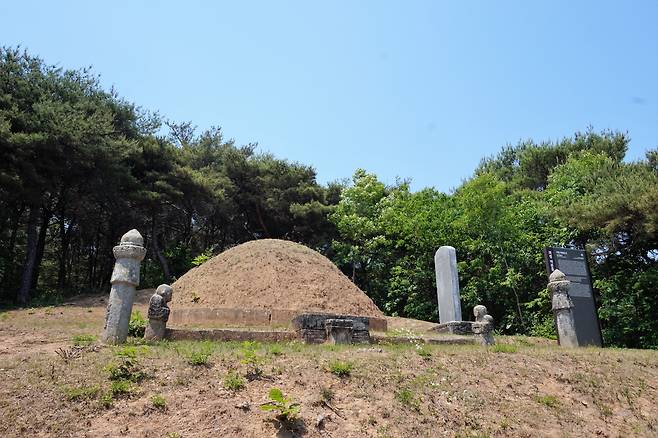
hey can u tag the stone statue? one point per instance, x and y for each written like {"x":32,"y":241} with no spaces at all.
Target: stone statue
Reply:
{"x":125,"y":278}
{"x":559,"y":285}
{"x":158,"y":313}
{"x":483,"y":325}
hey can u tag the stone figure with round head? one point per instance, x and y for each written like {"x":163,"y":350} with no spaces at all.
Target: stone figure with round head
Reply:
{"x":158,"y":313}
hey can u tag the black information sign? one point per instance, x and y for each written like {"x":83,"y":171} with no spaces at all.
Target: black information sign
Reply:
{"x":573,"y":263}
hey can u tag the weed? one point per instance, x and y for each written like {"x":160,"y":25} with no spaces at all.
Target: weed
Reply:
{"x":341,"y":368}
{"x":121,"y":387}
{"x":275,"y":349}
{"x":548,"y":400}
{"x":252,"y":359}
{"x":504,"y":348}
{"x":605,"y":410}
{"x":406,"y":397}
{"x":173,"y":435}
{"x":424,"y":352}
{"x":195,"y":297}
{"x":84,"y":340}
{"x":287,"y":410}
{"x":107,"y":400}
{"x":137,"y":325}
{"x":81,"y":393}
{"x":126,"y":351}
{"x":128,"y":370}
{"x":327,"y":394}
{"x":199,"y":357}
{"x":159,"y":402}
{"x":233,"y":381}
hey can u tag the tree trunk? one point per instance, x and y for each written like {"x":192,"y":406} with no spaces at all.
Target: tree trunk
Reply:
{"x":65,"y":238}
{"x":8,"y":274}
{"x":158,"y":252}
{"x":41,"y":245}
{"x":23,"y":295}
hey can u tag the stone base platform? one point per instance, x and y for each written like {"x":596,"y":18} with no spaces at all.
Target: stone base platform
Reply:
{"x":230,"y":335}
{"x":203,"y":317}
{"x":454,"y":328}
{"x":443,"y":340}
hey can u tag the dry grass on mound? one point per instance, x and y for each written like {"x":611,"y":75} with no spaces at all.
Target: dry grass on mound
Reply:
{"x":272,"y":274}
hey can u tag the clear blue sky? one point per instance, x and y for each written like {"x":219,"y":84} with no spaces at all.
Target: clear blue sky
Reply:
{"x":415,"y":89}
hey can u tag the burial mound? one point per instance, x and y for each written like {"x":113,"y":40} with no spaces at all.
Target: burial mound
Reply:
{"x":267,"y":282}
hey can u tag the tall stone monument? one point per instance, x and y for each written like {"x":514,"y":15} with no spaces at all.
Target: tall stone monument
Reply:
{"x":125,"y":277}
{"x":447,"y":284}
{"x":563,"y":309}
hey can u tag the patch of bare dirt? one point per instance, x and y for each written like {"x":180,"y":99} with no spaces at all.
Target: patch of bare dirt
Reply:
{"x":272,"y":274}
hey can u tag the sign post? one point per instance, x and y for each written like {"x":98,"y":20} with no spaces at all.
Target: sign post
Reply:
{"x":573,"y":263}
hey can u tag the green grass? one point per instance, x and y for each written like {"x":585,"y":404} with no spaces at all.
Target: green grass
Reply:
{"x":424,"y":352}
{"x":121,"y":387}
{"x":84,"y":340}
{"x":234,"y":382}
{"x":81,"y":392}
{"x":407,"y":398}
{"x":159,"y":402}
{"x":548,"y":400}
{"x":504,"y":348}
{"x":199,"y":358}
{"x":341,"y":368}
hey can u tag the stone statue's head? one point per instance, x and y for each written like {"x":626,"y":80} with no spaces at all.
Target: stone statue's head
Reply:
{"x":165,"y":291}
{"x":479,"y":311}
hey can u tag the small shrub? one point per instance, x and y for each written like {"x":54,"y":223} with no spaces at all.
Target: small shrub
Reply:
{"x":195,"y":298}
{"x":137,"y":325}
{"x":202,"y":258}
{"x":504,"y":348}
{"x":81,"y":393}
{"x":159,"y":402}
{"x":84,"y":340}
{"x":287,"y":410}
{"x":234,"y":382}
{"x":341,"y":368}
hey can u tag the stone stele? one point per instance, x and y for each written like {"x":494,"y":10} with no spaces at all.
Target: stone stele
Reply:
{"x":125,"y":278}
{"x":447,"y":284}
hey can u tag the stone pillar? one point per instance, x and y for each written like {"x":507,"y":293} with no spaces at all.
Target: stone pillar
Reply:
{"x":125,"y":277}
{"x":566,"y":328}
{"x":483,"y":325}
{"x":158,"y":313}
{"x":447,"y":284}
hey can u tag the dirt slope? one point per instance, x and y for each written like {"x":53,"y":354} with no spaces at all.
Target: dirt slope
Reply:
{"x":272,"y":274}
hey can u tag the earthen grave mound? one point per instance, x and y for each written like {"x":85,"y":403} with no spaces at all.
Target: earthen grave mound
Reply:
{"x":267,"y":282}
